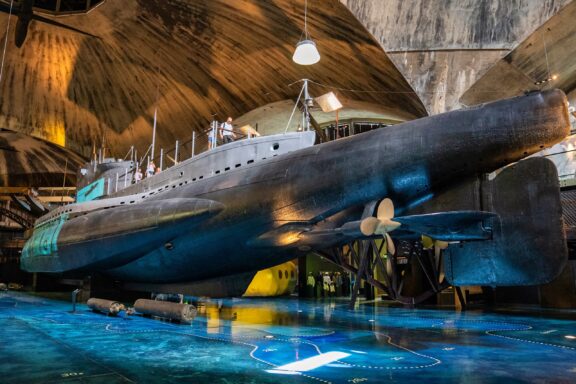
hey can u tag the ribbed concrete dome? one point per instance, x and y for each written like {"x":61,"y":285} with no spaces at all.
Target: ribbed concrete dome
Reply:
{"x":194,"y":57}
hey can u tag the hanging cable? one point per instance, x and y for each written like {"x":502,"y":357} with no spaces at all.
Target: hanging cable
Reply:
{"x":6,"y":41}
{"x":546,"y":55}
{"x":305,"y":17}
{"x":384,"y":92}
{"x":294,"y":110}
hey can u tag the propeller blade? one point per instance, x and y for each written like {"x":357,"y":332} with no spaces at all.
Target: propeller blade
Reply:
{"x":369,"y":225}
{"x":385,"y":209}
{"x":438,"y":247}
{"x":441,"y":244}
{"x":390,"y":245}
{"x":437,"y":252}
{"x":385,"y":226}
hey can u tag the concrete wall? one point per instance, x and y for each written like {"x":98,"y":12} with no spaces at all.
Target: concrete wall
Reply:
{"x":443,"y":46}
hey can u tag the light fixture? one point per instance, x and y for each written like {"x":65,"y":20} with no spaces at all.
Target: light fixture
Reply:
{"x":328,"y":102}
{"x":306,"y":52}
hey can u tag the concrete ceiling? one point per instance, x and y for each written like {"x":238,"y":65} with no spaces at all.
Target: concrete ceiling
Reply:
{"x":546,"y":59}
{"x":29,"y":162}
{"x":443,"y":47}
{"x":191,"y":59}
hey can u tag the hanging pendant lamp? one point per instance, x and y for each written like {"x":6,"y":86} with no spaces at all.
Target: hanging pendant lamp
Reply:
{"x":306,"y":52}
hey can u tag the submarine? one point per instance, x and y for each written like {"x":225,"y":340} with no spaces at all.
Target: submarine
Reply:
{"x":206,"y":225}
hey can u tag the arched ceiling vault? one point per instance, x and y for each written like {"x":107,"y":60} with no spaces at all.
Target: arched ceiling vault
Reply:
{"x":544,"y":60}
{"x":191,"y":59}
{"x":444,"y":47}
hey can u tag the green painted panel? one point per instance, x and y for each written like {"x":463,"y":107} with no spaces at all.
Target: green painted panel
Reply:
{"x":44,"y":239}
{"x":91,"y":191}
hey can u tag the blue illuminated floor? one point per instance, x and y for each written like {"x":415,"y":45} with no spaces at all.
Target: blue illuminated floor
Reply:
{"x":40,"y":342}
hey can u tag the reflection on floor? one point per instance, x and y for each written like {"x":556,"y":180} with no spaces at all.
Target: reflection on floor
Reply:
{"x":283,"y":341}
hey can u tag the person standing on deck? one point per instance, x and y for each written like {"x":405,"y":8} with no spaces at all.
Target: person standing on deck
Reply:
{"x":227,"y":131}
{"x":138,"y":175}
{"x":151,"y":169}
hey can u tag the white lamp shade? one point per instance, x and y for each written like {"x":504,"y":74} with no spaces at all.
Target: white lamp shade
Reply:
{"x":306,"y":53}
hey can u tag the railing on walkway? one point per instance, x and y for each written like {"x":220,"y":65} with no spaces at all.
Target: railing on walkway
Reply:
{"x":206,"y":140}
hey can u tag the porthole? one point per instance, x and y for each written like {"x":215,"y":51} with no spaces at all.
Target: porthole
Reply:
{"x":249,"y":161}
{"x":238,"y":165}
{"x":275,"y":146}
{"x":286,"y":274}
{"x":169,"y":246}
{"x":227,"y":169}
{"x":201,"y":177}
{"x":217,"y":172}
{"x":280,"y":274}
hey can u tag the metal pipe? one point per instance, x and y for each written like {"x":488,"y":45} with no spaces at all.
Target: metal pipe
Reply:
{"x":127,"y":153}
{"x":215,"y":133}
{"x":154,"y":131}
{"x":307,"y":104}
{"x":176,"y":153}
{"x":193,"y":142}
{"x":116,"y":184}
{"x":294,"y":110}
{"x":125,"y":177}
{"x":161,"y":158}
{"x":74,"y":296}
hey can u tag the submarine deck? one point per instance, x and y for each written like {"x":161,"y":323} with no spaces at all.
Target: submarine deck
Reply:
{"x":249,"y":340}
